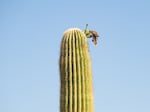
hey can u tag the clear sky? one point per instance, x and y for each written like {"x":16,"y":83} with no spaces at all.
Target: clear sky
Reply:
{"x":30,"y":36}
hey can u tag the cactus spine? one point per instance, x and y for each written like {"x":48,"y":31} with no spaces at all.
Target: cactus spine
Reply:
{"x":76,"y":92}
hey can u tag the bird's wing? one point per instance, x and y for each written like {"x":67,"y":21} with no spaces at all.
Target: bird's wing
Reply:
{"x":94,"y":33}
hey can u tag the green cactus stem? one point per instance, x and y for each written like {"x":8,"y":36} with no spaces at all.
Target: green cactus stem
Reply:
{"x":76,"y":92}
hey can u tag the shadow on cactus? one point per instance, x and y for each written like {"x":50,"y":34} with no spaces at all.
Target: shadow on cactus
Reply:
{"x":76,"y":92}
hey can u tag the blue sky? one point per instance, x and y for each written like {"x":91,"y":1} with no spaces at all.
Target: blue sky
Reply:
{"x":30,"y":36}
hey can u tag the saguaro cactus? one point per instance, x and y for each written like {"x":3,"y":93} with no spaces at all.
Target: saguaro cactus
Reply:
{"x":76,"y":92}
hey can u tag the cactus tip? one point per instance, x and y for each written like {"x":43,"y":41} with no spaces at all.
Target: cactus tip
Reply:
{"x":72,"y":29}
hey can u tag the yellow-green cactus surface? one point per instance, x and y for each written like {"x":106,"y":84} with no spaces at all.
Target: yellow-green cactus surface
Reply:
{"x":76,"y":92}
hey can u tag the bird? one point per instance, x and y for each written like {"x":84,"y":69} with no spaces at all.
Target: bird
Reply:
{"x":91,"y":34}
{"x":94,"y":36}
